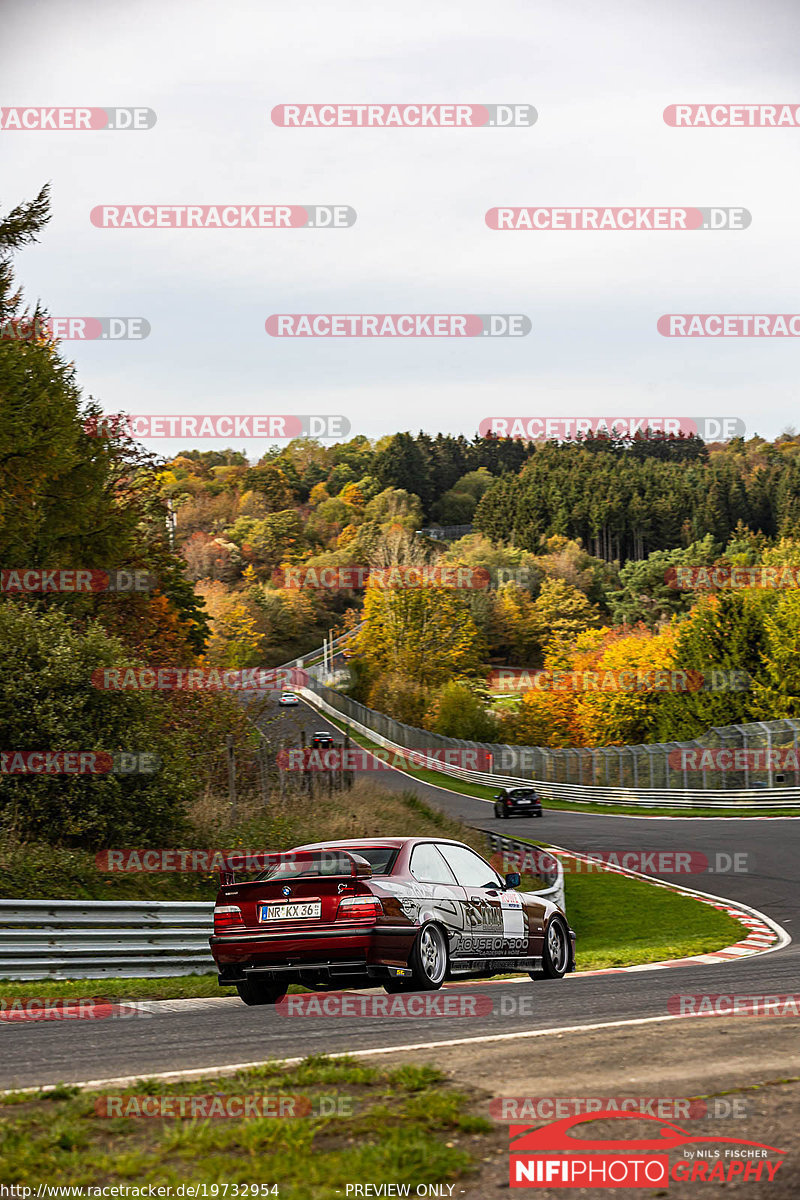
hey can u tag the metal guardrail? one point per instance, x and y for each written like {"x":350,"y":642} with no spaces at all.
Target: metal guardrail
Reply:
{"x":93,"y":939}
{"x":555,"y":891}
{"x":342,"y":707}
{"x":642,"y":776}
{"x":124,"y":939}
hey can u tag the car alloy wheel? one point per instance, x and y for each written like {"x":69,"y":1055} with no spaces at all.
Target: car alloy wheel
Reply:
{"x":556,"y":950}
{"x":429,"y":958}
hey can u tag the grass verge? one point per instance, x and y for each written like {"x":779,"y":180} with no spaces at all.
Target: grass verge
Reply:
{"x":621,"y":922}
{"x":406,"y":1124}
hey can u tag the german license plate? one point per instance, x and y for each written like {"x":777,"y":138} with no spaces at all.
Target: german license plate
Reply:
{"x":296,"y":911}
{"x":524,"y":802}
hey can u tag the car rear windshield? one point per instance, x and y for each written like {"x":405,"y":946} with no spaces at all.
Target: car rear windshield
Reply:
{"x":380,"y":858}
{"x":522,"y":793}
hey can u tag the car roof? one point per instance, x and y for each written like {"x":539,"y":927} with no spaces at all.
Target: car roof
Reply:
{"x":354,"y":843}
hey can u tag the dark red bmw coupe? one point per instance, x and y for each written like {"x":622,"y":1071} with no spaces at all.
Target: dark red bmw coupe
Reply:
{"x":405,"y":912}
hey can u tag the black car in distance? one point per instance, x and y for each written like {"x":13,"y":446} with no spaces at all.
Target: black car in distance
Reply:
{"x":517,"y":802}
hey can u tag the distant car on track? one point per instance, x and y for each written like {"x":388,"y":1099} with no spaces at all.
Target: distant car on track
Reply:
{"x":322,"y":740}
{"x":405,"y":912}
{"x":287,"y":700}
{"x":517,"y":802}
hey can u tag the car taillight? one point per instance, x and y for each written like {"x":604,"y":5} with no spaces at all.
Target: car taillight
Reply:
{"x":359,"y":908}
{"x":225,"y":916}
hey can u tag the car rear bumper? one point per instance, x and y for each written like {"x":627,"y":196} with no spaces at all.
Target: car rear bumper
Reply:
{"x":321,"y":955}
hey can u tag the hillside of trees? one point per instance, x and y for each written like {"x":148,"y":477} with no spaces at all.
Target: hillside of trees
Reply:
{"x":623,"y":506}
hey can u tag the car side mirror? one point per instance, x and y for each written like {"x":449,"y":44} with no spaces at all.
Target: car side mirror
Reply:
{"x":512,"y":879}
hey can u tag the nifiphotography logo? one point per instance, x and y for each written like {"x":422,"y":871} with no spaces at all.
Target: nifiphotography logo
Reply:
{"x":549,"y":1157}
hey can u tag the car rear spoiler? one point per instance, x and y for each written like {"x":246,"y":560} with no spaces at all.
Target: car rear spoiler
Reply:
{"x":346,"y":863}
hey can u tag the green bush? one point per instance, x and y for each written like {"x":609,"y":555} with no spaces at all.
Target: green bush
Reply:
{"x":48,"y":702}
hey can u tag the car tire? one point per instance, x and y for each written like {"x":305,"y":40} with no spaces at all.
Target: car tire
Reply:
{"x":555,"y":952}
{"x":262,"y":991}
{"x":497,"y":812}
{"x":428,"y":959}
{"x":394,"y":986}
{"x":504,"y":813}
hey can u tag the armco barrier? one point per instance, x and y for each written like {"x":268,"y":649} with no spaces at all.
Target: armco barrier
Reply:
{"x":93,"y":939}
{"x":124,"y":939}
{"x":556,"y":878}
{"x":392,"y":735}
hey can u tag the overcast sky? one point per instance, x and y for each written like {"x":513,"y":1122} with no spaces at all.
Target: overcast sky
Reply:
{"x":599,"y":77}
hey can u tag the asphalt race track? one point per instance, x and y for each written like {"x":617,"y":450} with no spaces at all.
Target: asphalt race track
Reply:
{"x":182,"y":1036}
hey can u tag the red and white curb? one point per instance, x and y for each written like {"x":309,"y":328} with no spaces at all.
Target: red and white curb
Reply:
{"x":764,"y":937}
